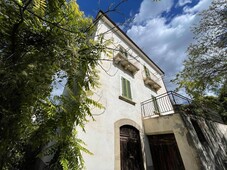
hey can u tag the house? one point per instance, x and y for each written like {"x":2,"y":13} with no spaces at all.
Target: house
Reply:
{"x":138,"y":127}
{"x":143,"y":126}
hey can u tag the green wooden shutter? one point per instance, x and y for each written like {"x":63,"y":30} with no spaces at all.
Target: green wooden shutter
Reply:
{"x":129,"y":94}
{"x":123,"y":51}
{"x":146,"y":71}
{"x":126,"y":88}
{"x":126,"y":53}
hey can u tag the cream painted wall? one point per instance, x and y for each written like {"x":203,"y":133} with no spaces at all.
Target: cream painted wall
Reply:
{"x":100,"y":135}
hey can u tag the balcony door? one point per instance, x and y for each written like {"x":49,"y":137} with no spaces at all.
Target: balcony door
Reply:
{"x":130,"y":146}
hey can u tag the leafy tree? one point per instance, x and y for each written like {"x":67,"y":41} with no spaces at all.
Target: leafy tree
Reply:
{"x":39,"y":39}
{"x":206,"y":67}
{"x":222,"y":99}
{"x":213,"y":107}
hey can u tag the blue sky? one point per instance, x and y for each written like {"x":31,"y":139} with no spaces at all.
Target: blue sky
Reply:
{"x":124,"y":11}
{"x":129,"y":8}
{"x":161,"y":29}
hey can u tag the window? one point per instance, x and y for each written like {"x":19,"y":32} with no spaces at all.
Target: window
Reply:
{"x":147,"y":73}
{"x":126,"y":88}
{"x":123,"y":51}
{"x":121,"y":59}
{"x":150,"y":79}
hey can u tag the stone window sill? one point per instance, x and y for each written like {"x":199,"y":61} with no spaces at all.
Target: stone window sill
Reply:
{"x":127,"y":100}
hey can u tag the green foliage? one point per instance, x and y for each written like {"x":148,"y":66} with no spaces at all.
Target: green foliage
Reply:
{"x":210,"y":107}
{"x":222,"y":99}
{"x":206,"y":68}
{"x":214,"y":107}
{"x":38,"y":39}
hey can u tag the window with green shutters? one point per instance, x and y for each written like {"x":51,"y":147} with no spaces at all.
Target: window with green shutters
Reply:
{"x":123,"y":51}
{"x":146,"y":71}
{"x":126,"y":88}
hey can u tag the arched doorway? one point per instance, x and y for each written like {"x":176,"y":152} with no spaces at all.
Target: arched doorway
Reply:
{"x":130,"y":147}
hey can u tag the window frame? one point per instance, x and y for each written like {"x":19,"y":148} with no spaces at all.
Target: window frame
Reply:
{"x":128,"y":93}
{"x":121,"y":89}
{"x":147,"y":72}
{"x":123,"y":51}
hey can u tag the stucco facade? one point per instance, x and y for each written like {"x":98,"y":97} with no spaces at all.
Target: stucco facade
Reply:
{"x":102,"y":136}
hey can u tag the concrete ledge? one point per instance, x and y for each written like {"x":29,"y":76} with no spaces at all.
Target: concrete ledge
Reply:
{"x":127,"y":100}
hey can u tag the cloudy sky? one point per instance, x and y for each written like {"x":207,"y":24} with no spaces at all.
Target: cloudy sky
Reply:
{"x":165,"y":34}
{"x":161,"y":29}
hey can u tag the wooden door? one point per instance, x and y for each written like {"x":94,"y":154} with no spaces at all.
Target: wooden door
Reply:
{"x":130,"y":146}
{"x":165,"y":152}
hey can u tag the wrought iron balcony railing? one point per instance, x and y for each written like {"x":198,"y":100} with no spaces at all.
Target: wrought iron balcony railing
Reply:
{"x":172,"y":102}
{"x":163,"y":104}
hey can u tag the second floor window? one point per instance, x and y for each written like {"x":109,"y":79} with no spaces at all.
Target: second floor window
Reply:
{"x":147,"y":73}
{"x":126,"y":88}
{"x":123,"y":51}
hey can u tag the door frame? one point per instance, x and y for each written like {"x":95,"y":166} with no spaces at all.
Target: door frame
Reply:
{"x":164,"y":137}
{"x":117,"y":152}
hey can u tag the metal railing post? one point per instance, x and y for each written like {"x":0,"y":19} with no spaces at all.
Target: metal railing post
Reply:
{"x":173,"y":98}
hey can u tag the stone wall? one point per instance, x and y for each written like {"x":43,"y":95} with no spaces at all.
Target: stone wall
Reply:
{"x":210,"y":140}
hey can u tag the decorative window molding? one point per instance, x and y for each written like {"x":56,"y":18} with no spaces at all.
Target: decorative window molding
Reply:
{"x":151,"y":80}
{"x":121,"y":58}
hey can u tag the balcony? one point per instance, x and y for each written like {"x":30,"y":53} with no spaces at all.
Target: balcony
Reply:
{"x":172,"y":102}
{"x":151,"y":80}
{"x":121,"y":59}
{"x":164,"y":104}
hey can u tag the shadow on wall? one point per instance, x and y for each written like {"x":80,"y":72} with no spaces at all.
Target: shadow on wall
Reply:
{"x":209,"y":138}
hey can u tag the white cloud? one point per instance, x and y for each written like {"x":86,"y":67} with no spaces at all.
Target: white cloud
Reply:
{"x":165,"y":42}
{"x":183,"y":2}
{"x":150,"y":9}
{"x":203,"y":4}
